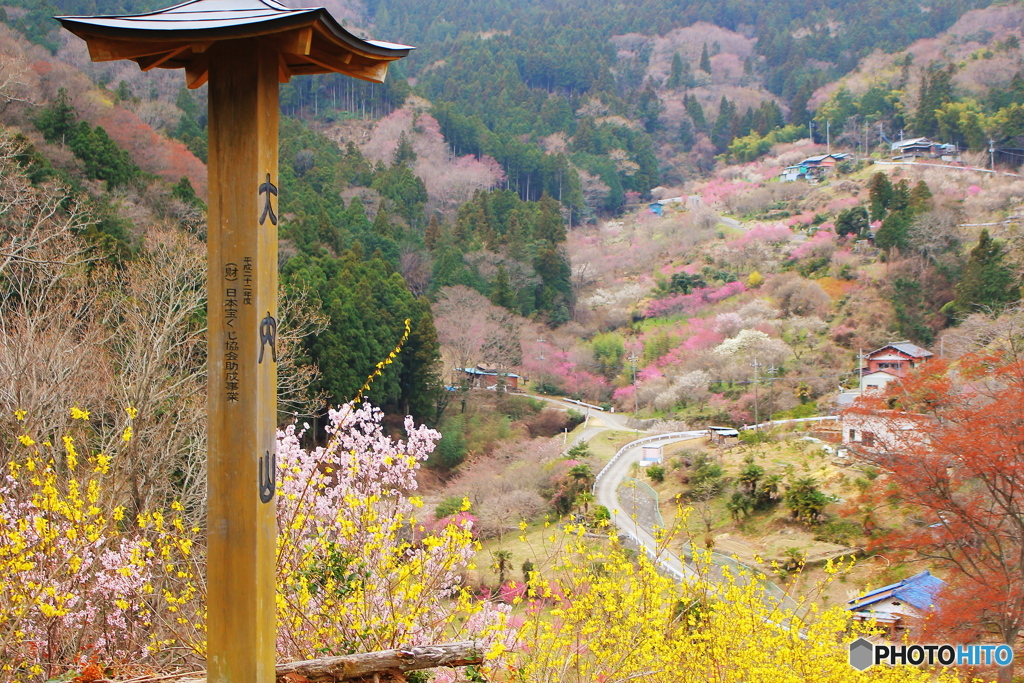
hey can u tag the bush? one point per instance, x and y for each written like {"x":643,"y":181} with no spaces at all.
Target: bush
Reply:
{"x":448,"y":507}
{"x":519,"y":407}
{"x":656,"y":473}
{"x":839,"y":531}
{"x":450,"y":450}
{"x":752,"y":436}
{"x":579,"y":451}
{"x":601,"y":514}
{"x":801,"y":411}
{"x":548,"y":423}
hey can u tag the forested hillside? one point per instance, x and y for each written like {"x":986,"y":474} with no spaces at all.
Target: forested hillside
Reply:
{"x":548,"y":200}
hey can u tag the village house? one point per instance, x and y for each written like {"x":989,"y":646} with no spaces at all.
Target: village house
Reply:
{"x":899,"y":605}
{"x":892,"y":361}
{"x":482,"y":377}
{"x":882,"y":431}
{"x":884,"y":365}
{"x":918,"y":148}
{"x":813,"y":169}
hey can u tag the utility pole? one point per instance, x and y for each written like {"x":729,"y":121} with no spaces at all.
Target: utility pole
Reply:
{"x":828,"y":135}
{"x":757,"y":413}
{"x":860,"y":371}
{"x":771,"y":393}
{"x":991,"y":154}
{"x":636,"y":410}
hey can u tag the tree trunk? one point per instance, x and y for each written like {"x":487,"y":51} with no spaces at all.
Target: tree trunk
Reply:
{"x":367,"y":664}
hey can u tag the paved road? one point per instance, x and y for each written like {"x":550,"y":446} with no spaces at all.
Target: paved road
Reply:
{"x":606,"y":492}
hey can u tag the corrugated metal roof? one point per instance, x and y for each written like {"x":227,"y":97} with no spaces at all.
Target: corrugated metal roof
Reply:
{"x":488,"y":373}
{"x":919,"y":591}
{"x":912,"y":350}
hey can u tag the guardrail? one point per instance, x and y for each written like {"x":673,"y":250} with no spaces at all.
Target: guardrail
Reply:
{"x":581,"y":403}
{"x":679,"y":436}
{"x":657,"y":558}
{"x":773,"y":423}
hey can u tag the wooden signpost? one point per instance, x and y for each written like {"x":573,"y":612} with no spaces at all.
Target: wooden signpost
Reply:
{"x":244,"y":49}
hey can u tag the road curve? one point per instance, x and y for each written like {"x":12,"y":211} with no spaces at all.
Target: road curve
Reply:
{"x":606,"y":488}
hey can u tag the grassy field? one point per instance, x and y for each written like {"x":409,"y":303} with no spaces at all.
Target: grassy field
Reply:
{"x":770,"y":535}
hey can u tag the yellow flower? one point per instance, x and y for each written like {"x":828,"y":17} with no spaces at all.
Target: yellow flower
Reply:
{"x":127,"y":436}
{"x":26,"y":440}
{"x":132,"y":412}
{"x":19,"y":415}
{"x":79,"y":414}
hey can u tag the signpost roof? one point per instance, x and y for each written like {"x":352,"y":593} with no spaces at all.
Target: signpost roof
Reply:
{"x":310,"y":41}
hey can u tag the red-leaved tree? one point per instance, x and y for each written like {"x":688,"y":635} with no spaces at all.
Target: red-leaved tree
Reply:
{"x":951,"y":439}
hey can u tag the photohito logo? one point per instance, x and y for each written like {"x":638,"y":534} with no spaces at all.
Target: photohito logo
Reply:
{"x":864,"y":654}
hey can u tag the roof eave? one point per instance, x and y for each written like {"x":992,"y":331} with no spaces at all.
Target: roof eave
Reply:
{"x":84,"y":28}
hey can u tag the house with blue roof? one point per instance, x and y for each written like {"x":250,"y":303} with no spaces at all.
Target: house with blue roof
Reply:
{"x":898,"y":605}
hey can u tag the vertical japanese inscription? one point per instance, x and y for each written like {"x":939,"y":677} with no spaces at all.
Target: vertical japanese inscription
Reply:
{"x":231,"y":348}
{"x":247,"y":275}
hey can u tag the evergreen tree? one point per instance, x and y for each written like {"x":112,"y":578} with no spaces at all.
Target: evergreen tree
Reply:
{"x":433,"y":233}
{"x":852,"y":221}
{"x":920,"y":197}
{"x":987,"y":283}
{"x":895,"y":231}
{"x":649,"y":108}
{"x":549,"y":225}
{"x":696,"y":112}
{"x":705,"y":60}
{"x":58,"y":122}
{"x":381,"y":224}
{"x":405,"y":153}
{"x":686,"y":136}
{"x":501,"y":291}
{"x":798,"y":113}
{"x":880,"y":193}
{"x":679,"y":76}
{"x":721,"y":134}
{"x":936,"y":90}
{"x":420,"y":375}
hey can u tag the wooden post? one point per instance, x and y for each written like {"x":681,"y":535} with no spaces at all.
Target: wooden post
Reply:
{"x":242,"y":382}
{"x":243,"y":49}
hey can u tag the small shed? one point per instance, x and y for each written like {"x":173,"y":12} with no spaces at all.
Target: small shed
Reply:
{"x":487,"y":378}
{"x":652,"y":455}
{"x":724,"y":436}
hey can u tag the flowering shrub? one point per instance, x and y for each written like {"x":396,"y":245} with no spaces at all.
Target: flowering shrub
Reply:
{"x":79,"y":580}
{"x":692,"y":302}
{"x":820,"y":244}
{"x":764,"y":233}
{"x":601,"y":615}
{"x":356,"y":570}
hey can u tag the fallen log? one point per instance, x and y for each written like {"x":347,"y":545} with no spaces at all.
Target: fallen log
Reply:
{"x":367,"y":664}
